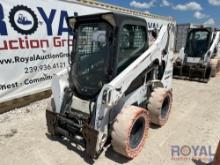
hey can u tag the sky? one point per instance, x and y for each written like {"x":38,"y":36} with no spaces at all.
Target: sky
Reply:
{"x":184,"y":11}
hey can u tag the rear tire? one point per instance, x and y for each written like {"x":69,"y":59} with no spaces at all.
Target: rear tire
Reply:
{"x":159,"y":106}
{"x":214,"y":64}
{"x":130,"y":130}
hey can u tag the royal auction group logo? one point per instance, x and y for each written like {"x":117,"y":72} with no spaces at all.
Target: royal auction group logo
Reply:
{"x":23,"y":20}
{"x":190,"y":152}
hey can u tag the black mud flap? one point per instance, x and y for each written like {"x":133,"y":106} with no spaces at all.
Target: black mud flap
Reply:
{"x":51,"y":118}
{"x":91,"y":137}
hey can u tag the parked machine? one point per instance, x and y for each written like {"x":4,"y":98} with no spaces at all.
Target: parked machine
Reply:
{"x":115,"y":86}
{"x":198,"y":59}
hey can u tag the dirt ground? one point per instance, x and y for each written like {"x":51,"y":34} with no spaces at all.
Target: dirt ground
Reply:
{"x":194,"y":122}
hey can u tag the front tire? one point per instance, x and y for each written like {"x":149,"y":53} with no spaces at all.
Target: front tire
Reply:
{"x":159,"y":106}
{"x":130,"y":130}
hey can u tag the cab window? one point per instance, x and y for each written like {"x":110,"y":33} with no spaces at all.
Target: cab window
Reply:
{"x":132,"y":43}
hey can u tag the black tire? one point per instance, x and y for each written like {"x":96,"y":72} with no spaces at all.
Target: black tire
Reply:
{"x":130,"y":131}
{"x":159,"y":106}
{"x":214,"y":63}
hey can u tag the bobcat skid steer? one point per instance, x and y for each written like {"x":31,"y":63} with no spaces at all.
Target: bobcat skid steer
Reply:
{"x":115,"y":86}
{"x":198,"y":60}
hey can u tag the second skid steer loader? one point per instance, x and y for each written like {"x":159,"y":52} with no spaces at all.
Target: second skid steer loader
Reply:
{"x":115,"y":86}
{"x":197,"y":60}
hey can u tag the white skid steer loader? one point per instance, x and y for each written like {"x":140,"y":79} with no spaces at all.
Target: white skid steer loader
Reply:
{"x":198,"y":60}
{"x":115,"y":86}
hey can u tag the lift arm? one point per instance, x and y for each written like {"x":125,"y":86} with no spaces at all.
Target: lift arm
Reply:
{"x":213,"y":46}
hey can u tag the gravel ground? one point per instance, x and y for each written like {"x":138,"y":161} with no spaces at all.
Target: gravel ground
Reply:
{"x":194,"y":121}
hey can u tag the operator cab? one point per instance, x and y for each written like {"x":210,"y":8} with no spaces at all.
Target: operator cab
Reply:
{"x":104,"y":45}
{"x":198,"y":42}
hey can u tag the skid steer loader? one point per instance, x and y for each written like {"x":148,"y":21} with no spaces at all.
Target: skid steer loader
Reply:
{"x":115,"y":86}
{"x":198,"y":60}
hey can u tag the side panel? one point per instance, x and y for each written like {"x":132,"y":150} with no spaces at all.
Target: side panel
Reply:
{"x":59,"y":83}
